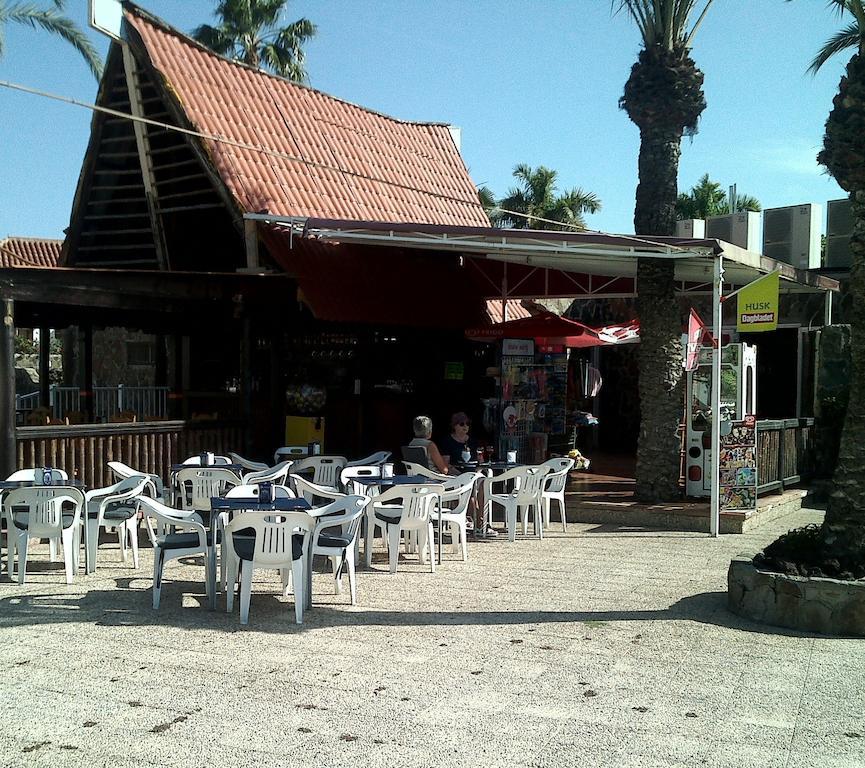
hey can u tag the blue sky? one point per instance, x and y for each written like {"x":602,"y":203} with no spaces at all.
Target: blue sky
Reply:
{"x":527,"y":81}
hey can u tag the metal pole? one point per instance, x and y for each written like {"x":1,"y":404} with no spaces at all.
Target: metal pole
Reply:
{"x":827,"y":309}
{"x":717,"y":293}
{"x":8,"y":459}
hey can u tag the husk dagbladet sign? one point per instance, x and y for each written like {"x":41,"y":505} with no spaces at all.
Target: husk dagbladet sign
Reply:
{"x":757,"y":305}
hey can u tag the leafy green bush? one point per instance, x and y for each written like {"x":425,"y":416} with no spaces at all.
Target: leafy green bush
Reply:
{"x":25,"y":346}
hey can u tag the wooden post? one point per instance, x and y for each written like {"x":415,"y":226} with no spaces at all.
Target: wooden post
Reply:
{"x":85,"y":386}
{"x":44,"y":367}
{"x":246,"y":381}
{"x":7,"y":389}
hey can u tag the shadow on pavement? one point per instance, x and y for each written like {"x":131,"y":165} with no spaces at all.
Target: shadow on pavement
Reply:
{"x":129,"y":606}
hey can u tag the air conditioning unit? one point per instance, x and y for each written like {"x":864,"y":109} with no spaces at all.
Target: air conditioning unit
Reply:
{"x":792,"y":235}
{"x":693,"y":229}
{"x":839,"y":227}
{"x":741,"y":228}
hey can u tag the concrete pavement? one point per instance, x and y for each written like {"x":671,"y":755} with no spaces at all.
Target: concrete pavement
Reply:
{"x":600,"y":647}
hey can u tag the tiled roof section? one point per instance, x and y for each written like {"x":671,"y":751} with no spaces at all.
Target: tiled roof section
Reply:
{"x":29,"y":252}
{"x":516,"y":310}
{"x":349,"y":162}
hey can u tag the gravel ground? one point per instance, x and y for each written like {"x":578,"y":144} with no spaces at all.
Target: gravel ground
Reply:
{"x":602,"y":646}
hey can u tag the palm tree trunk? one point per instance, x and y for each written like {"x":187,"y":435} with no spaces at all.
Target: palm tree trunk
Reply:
{"x":844,"y":526}
{"x":660,"y":353}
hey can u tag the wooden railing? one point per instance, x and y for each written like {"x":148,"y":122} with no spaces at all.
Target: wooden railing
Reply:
{"x":783,"y":452}
{"x":83,"y":450}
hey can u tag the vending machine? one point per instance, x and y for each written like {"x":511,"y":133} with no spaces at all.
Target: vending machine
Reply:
{"x":738,"y":400}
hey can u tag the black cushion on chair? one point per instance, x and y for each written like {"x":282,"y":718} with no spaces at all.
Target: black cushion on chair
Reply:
{"x":186,"y":540}
{"x":244,"y":546}
{"x":22,"y":519}
{"x":116,"y":513}
{"x":336,"y":541}
{"x":391,"y":518}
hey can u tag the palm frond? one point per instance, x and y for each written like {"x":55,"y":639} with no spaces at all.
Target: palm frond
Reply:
{"x":663,"y":22}
{"x":53,"y":22}
{"x":849,"y":37}
{"x":215,"y":38}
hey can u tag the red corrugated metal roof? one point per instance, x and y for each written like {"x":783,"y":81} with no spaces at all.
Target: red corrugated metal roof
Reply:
{"x":324,"y":157}
{"x":29,"y":252}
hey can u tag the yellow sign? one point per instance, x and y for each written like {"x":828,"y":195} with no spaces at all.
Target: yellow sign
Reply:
{"x":757,"y":305}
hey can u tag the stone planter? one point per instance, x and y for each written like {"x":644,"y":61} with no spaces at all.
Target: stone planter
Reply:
{"x":828,"y":606}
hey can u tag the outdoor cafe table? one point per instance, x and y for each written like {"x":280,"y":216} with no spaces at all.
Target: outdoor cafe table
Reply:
{"x":12,"y":485}
{"x":252,"y":504}
{"x":390,"y":482}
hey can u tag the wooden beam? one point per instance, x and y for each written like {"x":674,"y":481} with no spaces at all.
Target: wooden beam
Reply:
{"x":251,"y":236}
{"x":183,"y":208}
{"x":143,"y":143}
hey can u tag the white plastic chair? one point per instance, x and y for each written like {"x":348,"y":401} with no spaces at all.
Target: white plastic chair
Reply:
{"x":457,"y":494}
{"x":339,"y":547}
{"x":412,"y":468}
{"x":171,"y":546}
{"x":378,"y":458}
{"x":29,"y":475}
{"x":290,"y":452}
{"x":106,"y":508}
{"x":281,"y":541}
{"x":37,"y":513}
{"x":409,"y":509}
{"x":325,"y":469}
{"x":243,"y":492}
{"x":554,"y":488}
{"x":195,"y":461}
{"x":351,"y":473}
{"x":195,"y":486}
{"x":312,"y":492}
{"x":248,"y":464}
{"x":123,"y":471}
{"x":277,"y":475}
{"x":525,"y":495}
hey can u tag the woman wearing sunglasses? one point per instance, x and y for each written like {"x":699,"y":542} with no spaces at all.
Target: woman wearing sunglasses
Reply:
{"x":458,"y":444}
{"x":460,"y":447}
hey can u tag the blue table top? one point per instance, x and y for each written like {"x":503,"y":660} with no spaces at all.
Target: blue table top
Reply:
{"x":233,"y":467}
{"x":9,"y":485}
{"x":277,"y":505}
{"x":396,"y":480}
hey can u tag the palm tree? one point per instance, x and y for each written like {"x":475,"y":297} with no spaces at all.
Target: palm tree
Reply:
{"x":843,"y":155}
{"x":487,"y":198}
{"x":51,"y":20}
{"x":664,"y":97}
{"x":534,"y":204}
{"x":248,"y":31}
{"x":706,"y":198}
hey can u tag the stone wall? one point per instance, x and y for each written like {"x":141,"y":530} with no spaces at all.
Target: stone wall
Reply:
{"x":828,"y":606}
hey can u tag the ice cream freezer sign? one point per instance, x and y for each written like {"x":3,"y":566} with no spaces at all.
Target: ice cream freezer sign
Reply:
{"x":757,"y":305}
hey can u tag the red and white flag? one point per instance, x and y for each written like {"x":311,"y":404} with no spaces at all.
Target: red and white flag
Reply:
{"x":696,"y":331}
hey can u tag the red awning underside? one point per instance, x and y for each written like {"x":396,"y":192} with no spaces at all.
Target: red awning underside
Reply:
{"x":527,"y":282}
{"x":546,"y":328}
{"x":389,"y":286}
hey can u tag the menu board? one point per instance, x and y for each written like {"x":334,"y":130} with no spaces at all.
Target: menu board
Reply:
{"x":738,"y":466}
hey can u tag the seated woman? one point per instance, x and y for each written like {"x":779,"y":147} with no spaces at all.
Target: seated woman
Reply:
{"x":422,"y":426}
{"x":455,"y":445}
{"x":458,"y":441}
